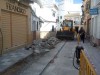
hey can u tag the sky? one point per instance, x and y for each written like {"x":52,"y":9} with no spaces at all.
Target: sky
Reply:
{"x":74,"y":7}
{"x":58,"y":0}
{"x":75,"y":1}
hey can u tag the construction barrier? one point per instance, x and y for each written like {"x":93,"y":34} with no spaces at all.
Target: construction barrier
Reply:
{"x":86,"y":68}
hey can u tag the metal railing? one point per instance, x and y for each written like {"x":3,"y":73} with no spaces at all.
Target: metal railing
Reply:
{"x":86,"y":68}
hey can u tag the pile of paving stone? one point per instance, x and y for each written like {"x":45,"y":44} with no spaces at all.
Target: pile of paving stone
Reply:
{"x":44,"y":45}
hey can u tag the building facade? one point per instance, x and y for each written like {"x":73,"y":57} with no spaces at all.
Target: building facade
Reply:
{"x":95,"y":23}
{"x":48,"y":14}
{"x":66,"y":7}
{"x":35,"y":25}
{"x":76,"y":17}
{"x":86,"y":16}
{"x":14,"y":25}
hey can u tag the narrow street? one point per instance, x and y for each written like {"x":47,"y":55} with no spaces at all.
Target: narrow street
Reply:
{"x":50,"y":64}
{"x":63,"y":63}
{"x":59,"y":61}
{"x":49,"y":37}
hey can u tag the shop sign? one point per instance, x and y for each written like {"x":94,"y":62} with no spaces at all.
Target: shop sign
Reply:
{"x":94,"y":11}
{"x":14,"y":6}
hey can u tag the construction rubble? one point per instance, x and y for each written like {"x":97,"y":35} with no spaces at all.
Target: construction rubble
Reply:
{"x":44,"y":45}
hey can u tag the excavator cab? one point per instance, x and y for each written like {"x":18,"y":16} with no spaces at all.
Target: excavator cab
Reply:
{"x":68,"y":24}
{"x":67,"y":30}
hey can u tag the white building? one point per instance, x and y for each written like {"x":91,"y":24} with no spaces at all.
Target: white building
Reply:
{"x":47,"y":12}
{"x":95,"y":23}
{"x":35,"y":25}
{"x":66,"y":7}
{"x":76,"y":17}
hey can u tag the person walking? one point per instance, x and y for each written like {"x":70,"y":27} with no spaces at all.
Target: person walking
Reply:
{"x":82,"y":34}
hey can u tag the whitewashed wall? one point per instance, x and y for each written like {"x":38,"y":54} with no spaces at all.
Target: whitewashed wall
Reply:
{"x":95,"y":21}
{"x":98,"y":25}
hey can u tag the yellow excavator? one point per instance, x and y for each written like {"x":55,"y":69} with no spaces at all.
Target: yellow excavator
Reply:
{"x":66,"y":31}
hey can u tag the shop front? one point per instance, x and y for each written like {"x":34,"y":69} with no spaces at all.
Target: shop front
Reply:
{"x":13,"y":25}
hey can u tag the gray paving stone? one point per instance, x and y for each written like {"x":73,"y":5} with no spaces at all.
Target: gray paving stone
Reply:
{"x":93,"y":54}
{"x":37,"y":67}
{"x":9,"y":59}
{"x":62,"y":64}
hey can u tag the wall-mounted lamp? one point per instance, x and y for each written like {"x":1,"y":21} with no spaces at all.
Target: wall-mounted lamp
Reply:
{"x":82,"y":7}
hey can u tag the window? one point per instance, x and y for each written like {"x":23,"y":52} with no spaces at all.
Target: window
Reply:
{"x":60,"y":17}
{"x":77,"y":20}
{"x":37,"y":26}
{"x":57,"y":20}
{"x":33,"y":25}
{"x":53,"y":14}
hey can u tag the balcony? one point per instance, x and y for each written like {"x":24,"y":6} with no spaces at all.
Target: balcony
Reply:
{"x":26,"y":1}
{"x":87,"y":7}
